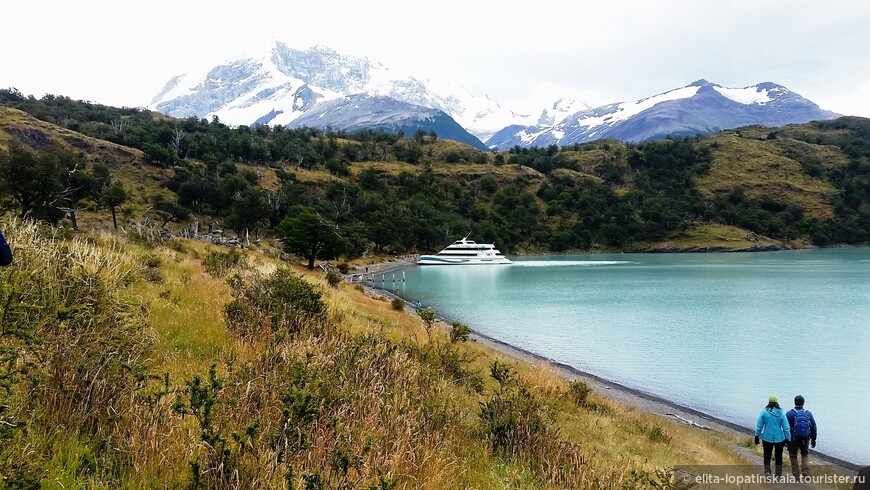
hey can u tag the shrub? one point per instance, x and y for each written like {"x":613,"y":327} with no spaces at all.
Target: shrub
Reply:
{"x":177,"y":245}
{"x":151,"y":261}
{"x":459,"y":332}
{"x":457,"y":364}
{"x":514,"y":421}
{"x":428,"y":317}
{"x":397,"y":304}
{"x":657,"y":434}
{"x":218,"y":264}
{"x":333,"y":278}
{"x":343,"y":267}
{"x":281,"y":301}
{"x":580,"y":392}
{"x":152,"y":275}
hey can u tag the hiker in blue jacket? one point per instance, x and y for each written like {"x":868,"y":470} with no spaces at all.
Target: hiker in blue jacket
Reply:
{"x":5,"y":251}
{"x":803,"y":434}
{"x":773,"y":429}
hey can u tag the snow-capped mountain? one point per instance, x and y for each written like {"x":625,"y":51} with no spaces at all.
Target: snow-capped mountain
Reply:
{"x":278,"y":84}
{"x":356,"y":112}
{"x":699,"y":108}
{"x":560,"y":109}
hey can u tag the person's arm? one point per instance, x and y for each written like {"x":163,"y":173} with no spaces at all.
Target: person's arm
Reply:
{"x":786,"y":428}
{"x":813,"y":428}
{"x":5,"y":251}
{"x":759,"y":426}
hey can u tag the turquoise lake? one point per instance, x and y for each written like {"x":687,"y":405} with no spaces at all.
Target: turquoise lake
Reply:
{"x":716,"y":333}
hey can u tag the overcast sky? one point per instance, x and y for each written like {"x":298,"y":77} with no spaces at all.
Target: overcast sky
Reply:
{"x":522,"y":54}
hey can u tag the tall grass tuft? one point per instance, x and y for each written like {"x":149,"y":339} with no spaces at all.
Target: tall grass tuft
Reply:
{"x":72,"y":348}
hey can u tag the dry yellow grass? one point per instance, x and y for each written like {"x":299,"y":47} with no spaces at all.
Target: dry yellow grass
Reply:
{"x":388,"y":396}
{"x":92,"y":149}
{"x":761,"y":169}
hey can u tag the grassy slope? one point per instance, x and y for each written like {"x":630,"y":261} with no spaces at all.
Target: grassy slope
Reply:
{"x":184,"y":318}
{"x":763,"y":168}
{"x":192,"y":335}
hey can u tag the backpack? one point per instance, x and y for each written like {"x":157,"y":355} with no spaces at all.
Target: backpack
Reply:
{"x":801,"y":424}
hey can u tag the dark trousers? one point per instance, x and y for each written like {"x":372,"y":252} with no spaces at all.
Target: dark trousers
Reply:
{"x":802,"y":445}
{"x":773,"y":449}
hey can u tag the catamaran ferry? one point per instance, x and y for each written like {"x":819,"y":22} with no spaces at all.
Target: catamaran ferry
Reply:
{"x":465,"y":252}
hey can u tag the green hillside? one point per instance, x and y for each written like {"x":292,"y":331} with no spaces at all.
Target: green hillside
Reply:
{"x":748,"y":189}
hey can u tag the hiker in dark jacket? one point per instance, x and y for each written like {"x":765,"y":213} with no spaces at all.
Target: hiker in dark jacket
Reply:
{"x":773,"y":429}
{"x":862,"y":482}
{"x":5,"y":251}
{"x":803,"y":435}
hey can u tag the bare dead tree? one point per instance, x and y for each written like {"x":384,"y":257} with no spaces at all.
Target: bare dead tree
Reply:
{"x":119,"y":126}
{"x":177,"y":138}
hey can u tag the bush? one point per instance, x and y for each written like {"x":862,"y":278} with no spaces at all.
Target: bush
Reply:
{"x":657,"y":434}
{"x":398,"y":304}
{"x":513,"y":420}
{"x":333,"y":278}
{"x":580,"y":392}
{"x":151,"y":261}
{"x":177,"y":245}
{"x":281,"y":301}
{"x":218,"y":264}
{"x":459,"y":332}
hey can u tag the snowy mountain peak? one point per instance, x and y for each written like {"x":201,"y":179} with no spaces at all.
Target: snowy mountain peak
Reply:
{"x":699,"y":108}
{"x":560,"y":109}
{"x":701,"y":82}
{"x":269,"y":81}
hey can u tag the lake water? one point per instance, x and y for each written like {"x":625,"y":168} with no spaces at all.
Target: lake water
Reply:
{"x":717,"y":333}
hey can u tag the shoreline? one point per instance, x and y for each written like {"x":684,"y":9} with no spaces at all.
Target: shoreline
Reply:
{"x":609,"y":389}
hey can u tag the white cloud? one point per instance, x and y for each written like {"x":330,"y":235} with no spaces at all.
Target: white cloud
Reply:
{"x":122,"y":53}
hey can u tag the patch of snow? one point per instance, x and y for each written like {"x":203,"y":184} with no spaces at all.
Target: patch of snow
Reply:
{"x":746,"y":95}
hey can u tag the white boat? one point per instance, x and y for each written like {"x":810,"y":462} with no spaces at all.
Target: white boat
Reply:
{"x":465,"y":252}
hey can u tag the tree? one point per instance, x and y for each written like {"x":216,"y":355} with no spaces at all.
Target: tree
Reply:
{"x":113,"y":196}
{"x":33,"y":181}
{"x":81,"y":189}
{"x":428,"y":317}
{"x":248,"y":211}
{"x":168,"y":211}
{"x":304,"y":232}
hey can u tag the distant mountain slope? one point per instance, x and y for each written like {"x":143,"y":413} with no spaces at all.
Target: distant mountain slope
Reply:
{"x":358,"y":112}
{"x":699,"y":108}
{"x":279,"y":84}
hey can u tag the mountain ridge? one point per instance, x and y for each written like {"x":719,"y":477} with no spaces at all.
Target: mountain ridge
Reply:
{"x":279,"y":85}
{"x":242,"y":90}
{"x":701,"y":107}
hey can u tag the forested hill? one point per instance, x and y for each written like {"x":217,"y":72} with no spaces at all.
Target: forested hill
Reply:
{"x":752,"y":188}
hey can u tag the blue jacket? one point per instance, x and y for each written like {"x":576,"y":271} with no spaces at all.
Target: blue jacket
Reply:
{"x":792,"y":414}
{"x":773,"y":426}
{"x":5,"y":252}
